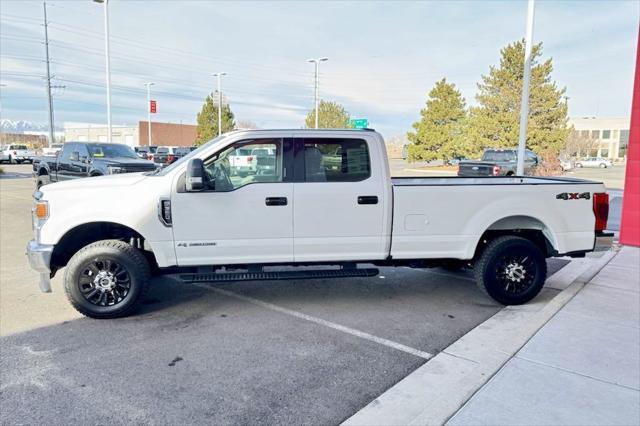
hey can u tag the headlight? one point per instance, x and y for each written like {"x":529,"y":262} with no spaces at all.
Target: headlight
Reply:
{"x":114,"y":169}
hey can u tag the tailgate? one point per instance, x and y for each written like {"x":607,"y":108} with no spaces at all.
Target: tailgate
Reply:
{"x":475,"y":168}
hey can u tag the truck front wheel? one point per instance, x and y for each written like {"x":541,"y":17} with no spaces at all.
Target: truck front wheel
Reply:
{"x":107,"y":279}
{"x":511,"y":270}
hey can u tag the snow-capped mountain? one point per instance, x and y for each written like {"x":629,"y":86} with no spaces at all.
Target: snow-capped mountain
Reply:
{"x":21,"y":126}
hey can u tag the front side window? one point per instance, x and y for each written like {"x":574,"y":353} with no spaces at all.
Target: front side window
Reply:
{"x":336,"y":160}
{"x":244,"y":163}
{"x":67,"y":150}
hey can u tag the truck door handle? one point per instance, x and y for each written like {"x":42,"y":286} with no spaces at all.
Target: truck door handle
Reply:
{"x":276,"y":201}
{"x":368,"y":199}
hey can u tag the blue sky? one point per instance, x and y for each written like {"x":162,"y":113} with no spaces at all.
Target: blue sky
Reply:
{"x":383,"y":56}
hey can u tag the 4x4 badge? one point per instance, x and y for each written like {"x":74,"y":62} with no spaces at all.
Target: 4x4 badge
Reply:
{"x":573,"y":196}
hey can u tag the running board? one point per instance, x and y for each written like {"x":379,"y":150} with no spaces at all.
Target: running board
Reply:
{"x":278,"y":275}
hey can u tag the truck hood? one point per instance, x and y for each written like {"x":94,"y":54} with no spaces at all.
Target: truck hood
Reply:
{"x":110,"y":181}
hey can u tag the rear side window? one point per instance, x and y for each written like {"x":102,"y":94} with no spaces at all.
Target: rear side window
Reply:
{"x":499,"y":156}
{"x":336,"y":160}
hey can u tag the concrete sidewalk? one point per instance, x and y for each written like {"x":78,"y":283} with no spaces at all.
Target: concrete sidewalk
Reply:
{"x":581,"y":368}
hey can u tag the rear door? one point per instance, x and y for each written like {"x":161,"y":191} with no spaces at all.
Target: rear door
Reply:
{"x":339,"y":209}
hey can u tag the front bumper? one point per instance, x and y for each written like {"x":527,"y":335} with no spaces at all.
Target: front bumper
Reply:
{"x":40,"y":261}
{"x":604,"y":241}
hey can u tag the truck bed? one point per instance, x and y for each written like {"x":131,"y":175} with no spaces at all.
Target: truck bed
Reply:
{"x":446,"y":216}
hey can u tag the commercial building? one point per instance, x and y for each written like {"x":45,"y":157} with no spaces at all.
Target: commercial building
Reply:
{"x":162,"y":134}
{"x":603,"y":137}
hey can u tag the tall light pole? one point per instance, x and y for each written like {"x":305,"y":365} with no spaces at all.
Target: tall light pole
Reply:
{"x":219,"y":75}
{"x":49,"y":96}
{"x":105,"y":4}
{"x":149,"y":84}
{"x":524,"y":100}
{"x":316,"y":63}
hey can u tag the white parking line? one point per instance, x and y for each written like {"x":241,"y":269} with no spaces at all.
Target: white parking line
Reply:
{"x":319,"y":321}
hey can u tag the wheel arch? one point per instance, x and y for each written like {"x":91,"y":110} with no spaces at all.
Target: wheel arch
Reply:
{"x":526,"y":226}
{"x":81,"y":235}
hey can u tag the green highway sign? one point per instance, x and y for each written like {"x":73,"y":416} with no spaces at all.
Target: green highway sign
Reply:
{"x":359,"y":123}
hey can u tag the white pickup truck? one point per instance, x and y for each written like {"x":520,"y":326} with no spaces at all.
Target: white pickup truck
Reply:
{"x":328,"y":204}
{"x":16,"y":153}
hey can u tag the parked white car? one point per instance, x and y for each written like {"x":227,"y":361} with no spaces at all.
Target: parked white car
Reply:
{"x":603,"y":163}
{"x":196,"y":218}
{"x":16,"y":153}
{"x":53,"y":150}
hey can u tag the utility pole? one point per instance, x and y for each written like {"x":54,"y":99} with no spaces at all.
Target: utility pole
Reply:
{"x":316,"y":62}
{"x":219,"y":74}
{"x":524,"y":101}
{"x":49,"y":96}
{"x":105,"y":4}
{"x":149,"y":84}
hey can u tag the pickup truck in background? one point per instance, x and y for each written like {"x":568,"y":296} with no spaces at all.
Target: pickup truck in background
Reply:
{"x":145,"y":152}
{"x":498,"y":162}
{"x":243,"y":162}
{"x":166,"y":155}
{"x":88,"y":159}
{"x":53,"y":150}
{"x":16,"y":153}
{"x":204,"y":222}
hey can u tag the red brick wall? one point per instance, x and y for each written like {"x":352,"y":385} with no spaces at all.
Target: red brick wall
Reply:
{"x":168,"y":134}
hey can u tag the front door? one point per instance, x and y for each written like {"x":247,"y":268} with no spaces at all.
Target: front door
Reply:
{"x":339,"y":213}
{"x":242,"y":217}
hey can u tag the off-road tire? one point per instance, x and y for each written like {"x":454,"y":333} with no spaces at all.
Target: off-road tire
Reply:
{"x":130,"y":258}
{"x":488,"y":269}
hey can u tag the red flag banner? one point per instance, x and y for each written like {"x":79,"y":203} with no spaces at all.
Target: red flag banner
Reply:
{"x":152,"y":107}
{"x":630,"y":226}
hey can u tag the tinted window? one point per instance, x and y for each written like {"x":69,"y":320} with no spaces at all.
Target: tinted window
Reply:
{"x":336,"y":160}
{"x":499,"y":156}
{"x":231,"y":168}
{"x":111,"y":150}
{"x":18,"y":146}
{"x":67,"y":150}
{"x":182,"y":151}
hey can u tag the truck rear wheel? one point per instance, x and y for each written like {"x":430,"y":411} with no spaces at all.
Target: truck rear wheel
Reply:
{"x":107,"y":279}
{"x":511,"y":270}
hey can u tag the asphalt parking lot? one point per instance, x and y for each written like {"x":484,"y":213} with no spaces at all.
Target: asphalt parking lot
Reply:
{"x":296,"y":352}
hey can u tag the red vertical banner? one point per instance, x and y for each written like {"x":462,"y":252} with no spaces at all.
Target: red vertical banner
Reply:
{"x":630,"y":225}
{"x":152,"y":107}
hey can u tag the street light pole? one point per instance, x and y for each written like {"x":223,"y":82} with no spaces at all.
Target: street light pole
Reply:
{"x":149,"y":84}
{"x":49,"y":97}
{"x":524,"y":101}
{"x":108,"y":65}
{"x":219,"y":75}
{"x":316,"y":63}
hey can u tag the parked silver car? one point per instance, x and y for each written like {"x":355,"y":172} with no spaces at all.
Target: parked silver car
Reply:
{"x":601,"y":162}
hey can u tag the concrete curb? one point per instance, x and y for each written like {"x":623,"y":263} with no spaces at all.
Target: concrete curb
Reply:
{"x":437,"y":390}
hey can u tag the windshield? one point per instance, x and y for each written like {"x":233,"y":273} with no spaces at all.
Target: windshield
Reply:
{"x":186,"y":158}
{"x":499,"y":156}
{"x":111,"y":150}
